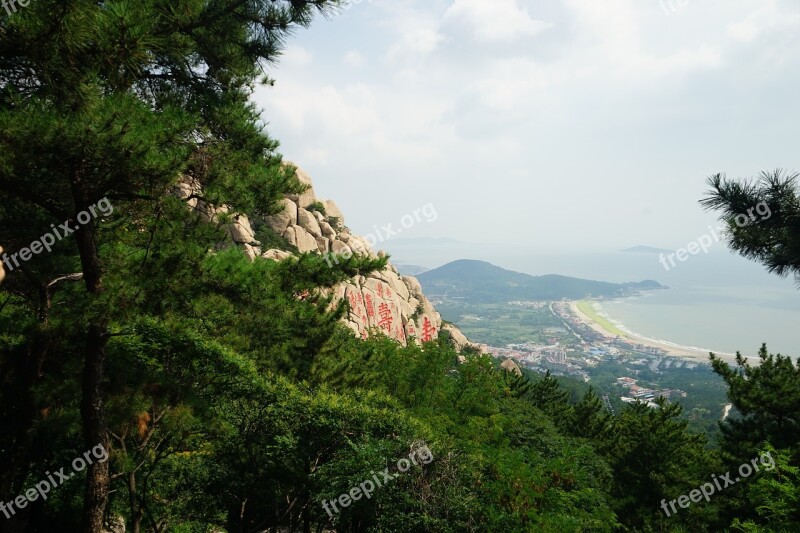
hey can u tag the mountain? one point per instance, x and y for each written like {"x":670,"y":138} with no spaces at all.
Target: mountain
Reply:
{"x":424,"y":241}
{"x":482,"y":282}
{"x":410,"y":270}
{"x":645,"y":250}
{"x":385,"y":302}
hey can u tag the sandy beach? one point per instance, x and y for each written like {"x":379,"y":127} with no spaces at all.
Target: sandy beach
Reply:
{"x":672,"y":349}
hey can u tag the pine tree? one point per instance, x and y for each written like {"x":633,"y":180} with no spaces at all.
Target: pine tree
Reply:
{"x":115,"y":101}
{"x":767,"y":402}
{"x":762,"y":216}
{"x":590,"y":418}
{"x":547,"y":395}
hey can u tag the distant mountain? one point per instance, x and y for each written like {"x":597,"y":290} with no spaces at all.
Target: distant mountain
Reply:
{"x":421,"y":241}
{"x":645,"y":250}
{"x":482,"y":282}
{"x":410,"y":270}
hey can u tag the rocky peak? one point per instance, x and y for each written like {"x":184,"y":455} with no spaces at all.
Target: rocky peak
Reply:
{"x":385,"y":302}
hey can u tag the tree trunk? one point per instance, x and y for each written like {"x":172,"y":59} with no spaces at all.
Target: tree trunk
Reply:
{"x":94,"y":429}
{"x":136,"y":511}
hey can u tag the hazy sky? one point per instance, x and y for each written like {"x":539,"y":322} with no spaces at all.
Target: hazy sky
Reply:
{"x":560,"y":124}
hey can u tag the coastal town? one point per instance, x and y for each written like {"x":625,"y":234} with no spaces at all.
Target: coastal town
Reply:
{"x":576,"y":348}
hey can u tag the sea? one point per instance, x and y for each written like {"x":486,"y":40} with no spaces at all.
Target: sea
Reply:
{"x":717,"y":301}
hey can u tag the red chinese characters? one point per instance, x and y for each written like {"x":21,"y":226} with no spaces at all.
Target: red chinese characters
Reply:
{"x":386,"y":317}
{"x":353,"y":302}
{"x":427,"y":330}
{"x":370,"y":306}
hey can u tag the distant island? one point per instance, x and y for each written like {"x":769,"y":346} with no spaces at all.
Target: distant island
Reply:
{"x":645,"y":250}
{"x":482,"y":282}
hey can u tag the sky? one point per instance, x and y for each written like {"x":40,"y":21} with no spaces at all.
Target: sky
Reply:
{"x":557,"y":125}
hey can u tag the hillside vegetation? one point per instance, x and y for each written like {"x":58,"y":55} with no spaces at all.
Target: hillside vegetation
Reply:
{"x":482,"y":282}
{"x":225,"y":392}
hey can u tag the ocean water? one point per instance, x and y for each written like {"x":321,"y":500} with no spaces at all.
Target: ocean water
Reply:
{"x":716,"y":301}
{"x":719,"y":319}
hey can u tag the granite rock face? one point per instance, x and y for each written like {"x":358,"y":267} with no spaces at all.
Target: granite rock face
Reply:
{"x":383,"y":302}
{"x":510,"y":366}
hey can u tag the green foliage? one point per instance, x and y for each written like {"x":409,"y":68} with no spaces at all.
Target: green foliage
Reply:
{"x":764,"y":225}
{"x":227,"y":391}
{"x":318,"y":207}
{"x":771,"y":207}
{"x":767,"y":402}
{"x":590,"y":419}
{"x":336,"y":224}
{"x":655,"y":458}
{"x":775,"y":495}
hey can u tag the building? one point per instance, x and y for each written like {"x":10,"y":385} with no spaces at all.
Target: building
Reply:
{"x":626,"y":382}
{"x":637,"y":400}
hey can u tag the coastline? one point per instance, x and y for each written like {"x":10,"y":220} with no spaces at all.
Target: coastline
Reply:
{"x":608,"y":330}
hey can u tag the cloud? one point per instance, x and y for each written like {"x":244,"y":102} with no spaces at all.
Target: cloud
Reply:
{"x":533,"y":101}
{"x":767,"y":17}
{"x":611,"y":37}
{"x":415,"y":43}
{"x":296,"y":55}
{"x":353,"y":58}
{"x":494,"y":21}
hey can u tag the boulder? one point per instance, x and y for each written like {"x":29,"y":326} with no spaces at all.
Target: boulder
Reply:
{"x":252,"y":251}
{"x":327,"y":230}
{"x":360,"y":246}
{"x":308,"y":222}
{"x":241,"y":231}
{"x":510,"y":366}
{"x":460,"y":340}
{"x":332,"y":210}
{"x":396,"y":283}
{"x":186,"y":188}
{"x":308,"y":197}
{"x":303,"y":240}
{"x":276,"y":255}
{"x":413,"y":285}
{"x":282,"y":220}
{"x":323,"y":245}
{"x":340,"y":248}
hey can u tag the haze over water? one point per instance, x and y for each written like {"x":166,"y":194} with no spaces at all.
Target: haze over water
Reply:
{"x":716,"y":301}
